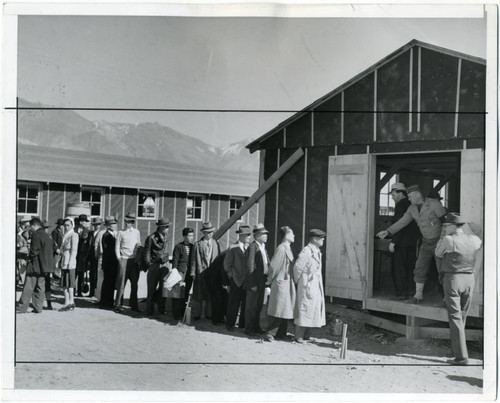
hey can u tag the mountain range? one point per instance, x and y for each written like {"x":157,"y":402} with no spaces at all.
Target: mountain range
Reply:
{"x":67,"y":129}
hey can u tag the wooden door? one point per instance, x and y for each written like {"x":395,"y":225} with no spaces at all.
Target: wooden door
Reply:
{"x":471,"y":208}
{"x":349,"y":249}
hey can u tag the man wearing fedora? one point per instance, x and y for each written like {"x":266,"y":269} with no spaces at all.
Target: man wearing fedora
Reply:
{"x":57,"y":236}
{"x":429,"y":214}
{"x":41,"y":261}
{"x":204,"y":253}
{"x":458,"y":251}
{"x":235,"y":267}
{"x":403,"y":246}
{"x":257,"y":267}
{"x":109,"y":262}
{"x":156,"y":255}
{"x":22,"y":249}
{"x":48,"y":274}
{"x":83,"y":255}
{"x":93,"y":257}
{"x":127,"y":242}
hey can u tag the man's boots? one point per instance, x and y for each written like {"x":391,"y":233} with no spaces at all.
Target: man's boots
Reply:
{"x":419,"y":293}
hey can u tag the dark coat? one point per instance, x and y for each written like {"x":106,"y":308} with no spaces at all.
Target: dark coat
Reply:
{"x":109,"y":259}
{"x":41,"y":253}
{"x":255,"y":276}
{"x":235,"y":264}
{"x":84,"y":251}
{"x":57,"y":236}
{"x":409,"y":235}
{"x":181,"y":260}
{"x":215,"y":278}
{"x":155,"y":249}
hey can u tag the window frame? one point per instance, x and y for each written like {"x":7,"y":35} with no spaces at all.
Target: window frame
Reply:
{"x":156,"y":193}
{"x":202,"y":206}
{"x":243,"y":200}
{"x":39,"y":197}
{"x":393,"y":179}
{"x":92,"y":188}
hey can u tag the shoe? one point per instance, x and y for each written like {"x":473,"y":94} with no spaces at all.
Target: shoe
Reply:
{"x":230,"y":328}
{"x":119,"y":309}
{"x":35,"y":311}
{"x":65,"y":308}
{"x":21,"y":311}
{"x":136,"y":310}
{"x":456,"y":361}
{"x":260,"y":331}
{"x":300,"y":340}
{"x":49,"y":306}
{"x":269,"y":337}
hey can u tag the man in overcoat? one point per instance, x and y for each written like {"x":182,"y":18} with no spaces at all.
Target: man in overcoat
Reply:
{"x":310,"y":302}
{"x":458,"y":251}
{"x":204,"y":253}
{"x":57,"y":236}
{"x":84,"y":249}
{"x":429,"y":214}
{"x":109,"y":263}
{"x":257,"y":262}
{"x":41,"y":261}
{"x":235,"y":267}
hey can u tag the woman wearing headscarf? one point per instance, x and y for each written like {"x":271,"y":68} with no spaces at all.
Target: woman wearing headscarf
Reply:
{"x":69,"y":249}
{"x":280,"y":276}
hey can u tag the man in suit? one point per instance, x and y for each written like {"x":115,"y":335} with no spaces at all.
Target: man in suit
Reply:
{"x":83,"y":255}
{"x":93,"y":257}
{"x":109,"y":263}
{"x":235,"y":267}
{"x":181,"y":260}
{"x":41,"y":261}
{"x":204,"y":253}
{"x":257,"y":267}
{"x":156,"y":259}
{"x":57,"y":236}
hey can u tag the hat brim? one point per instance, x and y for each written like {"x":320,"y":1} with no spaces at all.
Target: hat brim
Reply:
{"x":261,"y":231}
{"x":208,"y":230}
{"x":129,"y":219}
{"x":244,"y":233}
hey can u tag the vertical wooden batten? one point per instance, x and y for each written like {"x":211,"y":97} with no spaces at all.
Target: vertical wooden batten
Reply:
{"x":457,"y":102}
{"x":174,"y":216}
{"x":277,"y":203}
{"x":375,"y":105}
{"x":48,"y":202}
{"x":419,"y":86}
{"x":410,"y":95}
{"x":304,"y":210}
{"x":64,"y":201}
{"x":341,"y":118}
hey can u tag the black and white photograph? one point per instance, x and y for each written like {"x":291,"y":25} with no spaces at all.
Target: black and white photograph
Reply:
{"x":255,"y":201}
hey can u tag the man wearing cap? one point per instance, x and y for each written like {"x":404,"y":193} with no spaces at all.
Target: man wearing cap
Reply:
{"x":109,"y":262}
{"x":83,"y":255}
{"x":204,"y":253}
{"x":235,"y":267}
{"x":93,"y":256}
{"x":458,"y":251}
{"x":257,"y":267}
{"x":40,"y":262}
{"x":127,"y":242}
{"x":403,"y":245}
{"x":429,"y":214}
{"x":156,"y":254}
{"x":309,"y":309}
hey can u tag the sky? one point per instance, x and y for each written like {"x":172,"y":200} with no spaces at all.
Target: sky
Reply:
{"x":212,"y":63}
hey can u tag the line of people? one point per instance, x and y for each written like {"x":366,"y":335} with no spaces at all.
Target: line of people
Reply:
{"x":219,"y":285}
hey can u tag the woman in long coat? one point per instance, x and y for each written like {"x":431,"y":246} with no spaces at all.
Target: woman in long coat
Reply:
{"x":280,"y":276}
{"x":310,"y":303}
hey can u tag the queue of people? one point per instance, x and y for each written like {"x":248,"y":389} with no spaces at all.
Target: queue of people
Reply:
{"x":94,"y":258}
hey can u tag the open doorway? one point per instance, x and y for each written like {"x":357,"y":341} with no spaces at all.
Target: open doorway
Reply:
{"x":438,"y":175}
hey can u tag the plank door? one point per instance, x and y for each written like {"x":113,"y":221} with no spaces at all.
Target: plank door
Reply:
{"x":349,"y":250}
{"x":471,"y":207}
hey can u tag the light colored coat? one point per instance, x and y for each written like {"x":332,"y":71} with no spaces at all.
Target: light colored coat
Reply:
{"x":310,"y":303}
{"x":280,"y":276}
{"x":69,"y":249}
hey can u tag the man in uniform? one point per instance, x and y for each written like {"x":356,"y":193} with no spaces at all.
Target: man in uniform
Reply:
{"x":456,"y":273}
{"x":429,"y":214}
{"x":403,"y":245}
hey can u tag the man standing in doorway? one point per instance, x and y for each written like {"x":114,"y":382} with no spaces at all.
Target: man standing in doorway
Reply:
{"x":257,"y":262}
{"x":456,"y":273}
{"x":127,"y":242}
{"x":403,"y":245}
{"x":429,"y":214}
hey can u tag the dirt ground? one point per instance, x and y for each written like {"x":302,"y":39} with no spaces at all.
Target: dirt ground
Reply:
{"x":96,"y":349}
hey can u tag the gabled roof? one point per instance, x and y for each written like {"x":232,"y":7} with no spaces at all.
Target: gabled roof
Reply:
{"x":254,"y":145}
{"x":44,"y":164}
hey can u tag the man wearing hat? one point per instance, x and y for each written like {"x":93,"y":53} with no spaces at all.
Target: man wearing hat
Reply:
{"x":403,"y":245}
{"x":48,"y":275}
{"x":22,"y":249}
{"x":156,"y":254}
{"x":83,"y":255}
{"x":109,"y":263}
{"x":257,"y":267}
{"x":40,"y":262}
{"x":310,"y":302}
{"x":204,"y":253}
{"x":127,"y":242}
{"x":235,"y":267}
{"x":57,"y":236}
{"x":458,"y":251}
{"x":429,"y":214}
{"x":93,"y":256}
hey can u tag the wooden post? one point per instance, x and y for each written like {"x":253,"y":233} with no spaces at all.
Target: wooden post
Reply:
{"x":259,"y":193}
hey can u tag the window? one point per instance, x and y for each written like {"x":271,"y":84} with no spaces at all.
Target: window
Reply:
{"x":27,"y":199}
{"x":234,"y":204}
{"x":93,"y":196}
{"x":146,"y":205}
{"x":387,"y":205}
{"x":194,"y":208}
{"x":443,"y":192}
